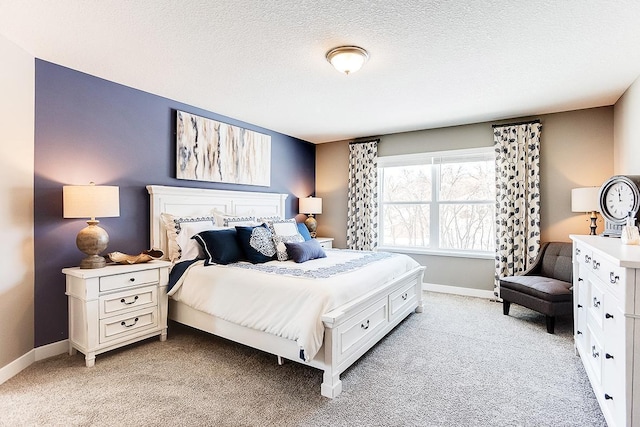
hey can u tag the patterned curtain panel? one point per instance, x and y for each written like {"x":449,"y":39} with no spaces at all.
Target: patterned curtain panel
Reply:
{"x":517,"y":198}
{"x":362,"y":211}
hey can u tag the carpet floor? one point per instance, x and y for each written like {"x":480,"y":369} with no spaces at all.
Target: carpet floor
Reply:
{"x":460,"y":363}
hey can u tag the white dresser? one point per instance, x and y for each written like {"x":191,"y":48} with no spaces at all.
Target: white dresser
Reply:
{"x":606,"y":275}
{"x":116,"y":305}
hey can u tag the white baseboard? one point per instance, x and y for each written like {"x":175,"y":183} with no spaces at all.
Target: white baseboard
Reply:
{"x":14,"y":368}
{"x":458,"y":290}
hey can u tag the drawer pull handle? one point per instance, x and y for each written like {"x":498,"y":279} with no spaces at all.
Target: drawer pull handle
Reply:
{"x":577,"y":251}
{"x":608,"y":316}
{"x":130,"y":302}
{"x":613,"y":278}
{"x":123,"y":323}
{"x":608,"y":397}
{"x":579,"y":332}
{"x":580,"y":279}
{"x":594,"y":353}
{"x":365,"y":326}
{"x":596,"y":265}
{"x":133,"y":279}
{"x":608,"y":356}
{"x":596,"y":303}
{"x":587,"y":259}
{"x":405,"y":296}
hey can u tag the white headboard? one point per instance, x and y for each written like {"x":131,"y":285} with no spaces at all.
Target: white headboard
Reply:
{"x":200,"y":201}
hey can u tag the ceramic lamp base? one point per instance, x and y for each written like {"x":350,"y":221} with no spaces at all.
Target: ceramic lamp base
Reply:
{"x":312,"y":225}
{"x":92,"y":240}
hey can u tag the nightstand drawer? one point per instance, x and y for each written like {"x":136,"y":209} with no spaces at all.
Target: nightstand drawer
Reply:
{"x":126,"y":280}
{"x":126,"y":301}
{"x":122,"y":326}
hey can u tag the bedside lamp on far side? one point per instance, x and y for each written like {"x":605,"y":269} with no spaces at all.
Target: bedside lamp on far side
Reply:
{"x":586,"y":200}
{"x":310,"y":206}
{"x":91,"y":201}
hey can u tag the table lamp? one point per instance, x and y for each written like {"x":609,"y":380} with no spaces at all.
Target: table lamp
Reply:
{"x":310,"y":206}
{"x":586,"y":200}
{"x":91,"y":201}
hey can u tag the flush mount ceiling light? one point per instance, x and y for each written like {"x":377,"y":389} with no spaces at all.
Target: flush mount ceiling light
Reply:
{"x":347,"y":59}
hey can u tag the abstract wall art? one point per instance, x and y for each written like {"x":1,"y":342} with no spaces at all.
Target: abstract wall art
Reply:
{"x":208,"y":150}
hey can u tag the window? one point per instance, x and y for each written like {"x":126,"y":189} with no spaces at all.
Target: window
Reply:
{"x":442,"y":201}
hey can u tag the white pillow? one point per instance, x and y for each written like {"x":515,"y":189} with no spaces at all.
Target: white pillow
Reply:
{"x":284,"y":230}
{"x":181,"y":246}
{"x":224,"y":220}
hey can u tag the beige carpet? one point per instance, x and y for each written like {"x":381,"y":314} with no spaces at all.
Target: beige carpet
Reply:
{"x":460,"y":363}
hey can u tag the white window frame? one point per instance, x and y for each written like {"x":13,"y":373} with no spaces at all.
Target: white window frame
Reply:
{"x":433,"y":158}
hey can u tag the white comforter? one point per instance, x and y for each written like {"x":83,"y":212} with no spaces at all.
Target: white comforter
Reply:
{"x":282,"y":304}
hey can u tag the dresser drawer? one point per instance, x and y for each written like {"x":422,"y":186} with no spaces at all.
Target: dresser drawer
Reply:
{"x":127,"y":301}
{"x":613,"y":393}
{"x":117,"y":327}
{"x":595,"y":305}
{"x":127,"y":280}
{"x":595,"y":355}
{"x":611,"y":275}
{"x":582,"y":254}
{"x":362,"y":326}
{"x":401,"y":300}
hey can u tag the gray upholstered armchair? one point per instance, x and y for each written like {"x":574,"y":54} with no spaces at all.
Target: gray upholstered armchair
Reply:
{"x":545,"y":287}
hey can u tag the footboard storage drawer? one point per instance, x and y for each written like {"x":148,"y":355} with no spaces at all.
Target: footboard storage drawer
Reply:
{"x":116,"y":305}
{"x":362,"y":326}
{"x":402,"y":300}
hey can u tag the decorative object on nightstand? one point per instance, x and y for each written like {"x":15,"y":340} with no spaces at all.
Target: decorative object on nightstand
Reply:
{"x":585,"y":200}
{"x":91,"y":201}
{"x":310,"y":206}
{"x":116,"y":305}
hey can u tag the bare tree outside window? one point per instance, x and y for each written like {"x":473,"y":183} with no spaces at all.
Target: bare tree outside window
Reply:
{"x":447,"y":204}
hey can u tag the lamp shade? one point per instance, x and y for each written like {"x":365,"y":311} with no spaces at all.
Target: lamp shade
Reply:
{"x":311,"y":205}
{"x":90,"y":201}
{"x":585,"y":199}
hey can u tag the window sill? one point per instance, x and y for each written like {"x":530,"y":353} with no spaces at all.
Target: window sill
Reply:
{"x":436,"y":252}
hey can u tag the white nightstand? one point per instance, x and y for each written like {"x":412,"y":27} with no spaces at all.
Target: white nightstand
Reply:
{"x":116,"y":305}
{"x":325,"y":242}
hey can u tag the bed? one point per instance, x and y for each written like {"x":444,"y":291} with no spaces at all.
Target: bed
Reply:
{"x":347,"y":330}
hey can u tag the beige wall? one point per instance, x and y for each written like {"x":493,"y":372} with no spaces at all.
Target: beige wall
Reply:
{"x":17,"y":86}
{"x":627,"y":132}
{"x":576,"y":151}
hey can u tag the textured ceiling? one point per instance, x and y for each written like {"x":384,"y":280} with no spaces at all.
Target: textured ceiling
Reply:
{"x":432,"y":63}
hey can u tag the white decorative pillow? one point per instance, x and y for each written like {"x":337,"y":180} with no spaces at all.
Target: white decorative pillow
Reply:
{"x":179,"y":232}
{"x":284,"y":230}
{"x":224,"y":220}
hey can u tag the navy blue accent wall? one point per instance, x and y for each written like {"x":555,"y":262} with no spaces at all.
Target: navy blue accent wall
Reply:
{"x":89,"y":129}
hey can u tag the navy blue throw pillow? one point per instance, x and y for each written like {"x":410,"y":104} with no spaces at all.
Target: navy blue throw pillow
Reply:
{"x":305,"y":251}
{"x":256,"y":243}
{"x":304,"y":231}
{"x":219,"y":246}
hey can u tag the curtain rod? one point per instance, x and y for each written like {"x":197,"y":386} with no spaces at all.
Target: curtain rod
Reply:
{"x":517,"y":123}
{"x":364,"y":140}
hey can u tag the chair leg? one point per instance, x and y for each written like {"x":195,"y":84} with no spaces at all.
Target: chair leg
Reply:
{"x":551,"y":324}
{"x":505,"y":307}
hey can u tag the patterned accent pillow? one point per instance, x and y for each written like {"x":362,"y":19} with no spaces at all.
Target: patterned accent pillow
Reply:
{"x":179,"y":232}
{"x":284,"y":230}
{"x":257,"y":243}
{"x":281,"y":248}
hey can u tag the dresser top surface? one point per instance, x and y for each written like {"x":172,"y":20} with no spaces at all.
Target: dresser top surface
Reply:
{"x":627,"y":256}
